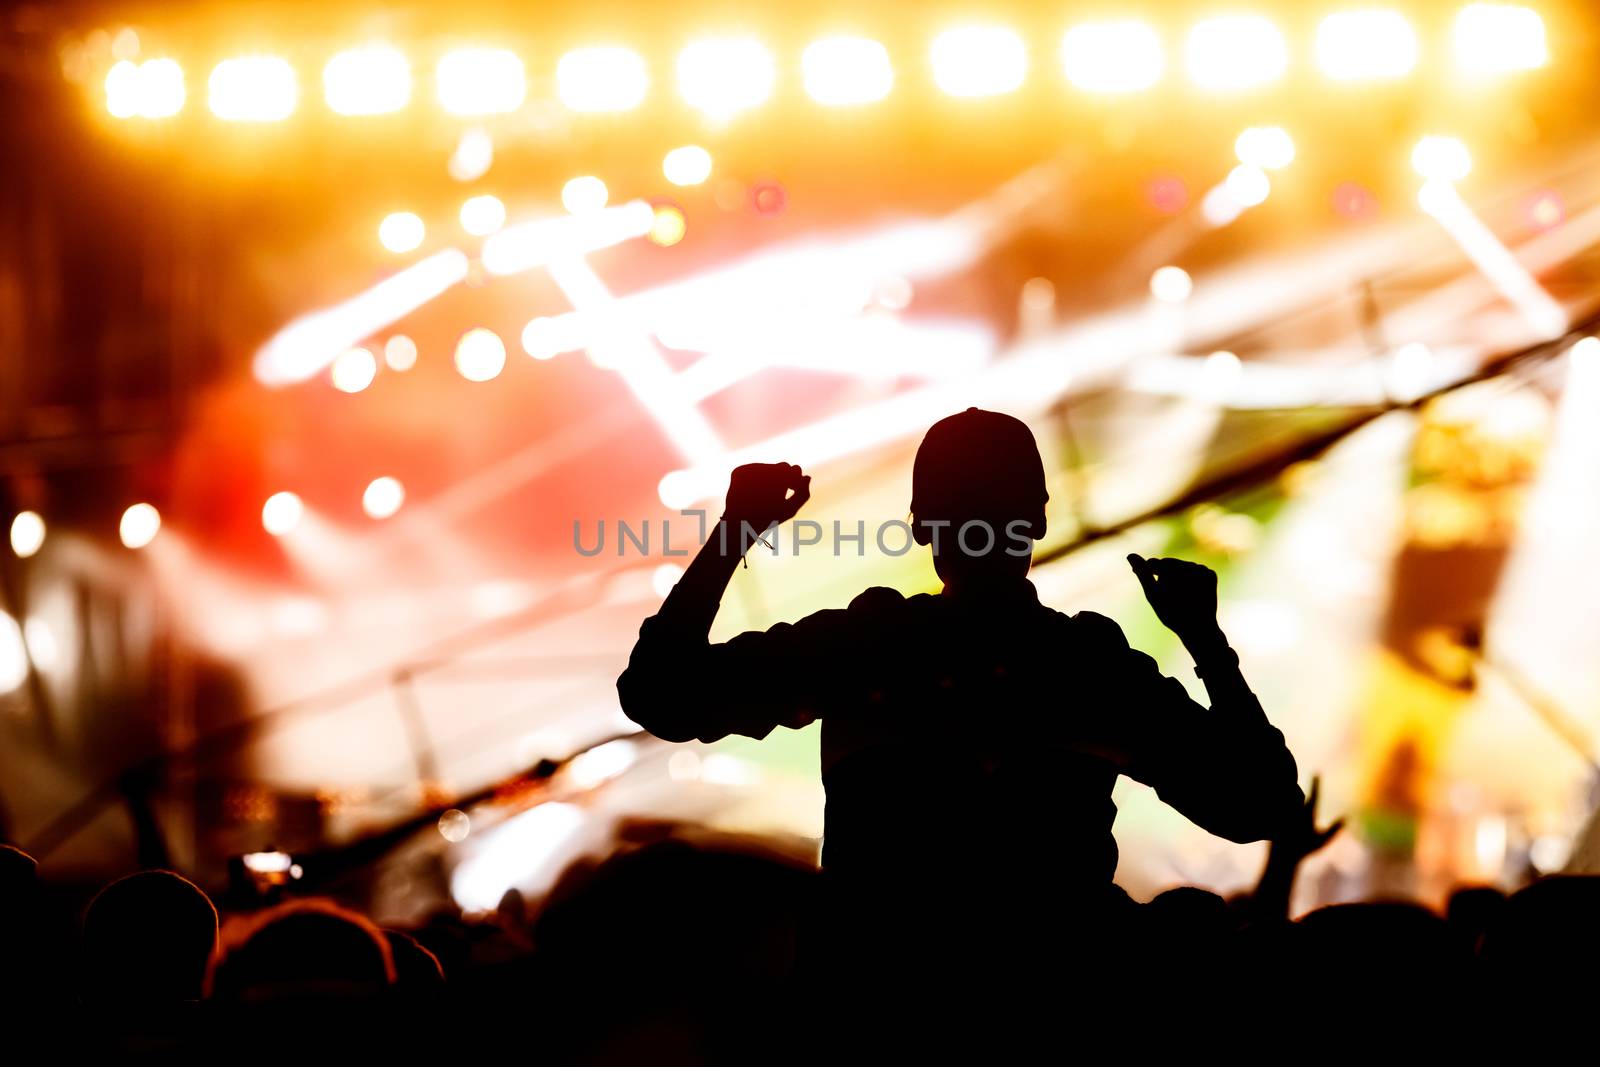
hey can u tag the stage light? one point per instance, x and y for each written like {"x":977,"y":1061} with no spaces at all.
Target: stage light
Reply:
{"x":139,"y":525}
{"x":1371,"y":43}
{"x":314,"y":340}
{"x":13,"y":654}
{"x":153,"y":89}
{"x":1222,"y":368}
{"x":1410,"y":370}
{"x":480,"y":81}
{"x":1171,"y":285}
{"x":455,"y":825}
{"x":482,"y":215}
{"x":253,"y":89}
{"x":584,"y":195}
{"x":724,"y":76}
{"x":546,"y":337}
{"x":602,"y":79}
{"x":473,"y":156}
{"x":971,"y":61}
{"x":841,"y":71}
{"x":1233,"y":52}
{"x":401,"y":231}
{"x":1443,"y":159}
{"x":1545,"y":210}
{"x":354,"y":370}
{"x":400,"y":352}
{"x":544,"y":241}
{"x":367,"y":81}
{"x":480,"y":355}
{"x":27,"y":533}
{"x":1494,"y":38}
{"x":1119,"y":56}
{"x":42,"y":644}
{"x":382,"y":497}
{"x":669,"y":226}
{"x":687,"y":165}
{"x":1248,"y":185}
{"x":1266,"y":147}
{"x":122,"y":89}
{"x":281,"y":513}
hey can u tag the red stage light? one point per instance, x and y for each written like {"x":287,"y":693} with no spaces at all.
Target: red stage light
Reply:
{"x":1354,"y":201}
{"x":769,"y":198}
{"x":1167,"y":194}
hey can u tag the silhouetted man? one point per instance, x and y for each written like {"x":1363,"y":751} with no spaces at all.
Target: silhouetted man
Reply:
{"x":970,"y":739}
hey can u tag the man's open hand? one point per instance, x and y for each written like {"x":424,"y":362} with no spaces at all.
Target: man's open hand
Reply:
{"x":1183,"y":594}
{"x":764,"y":494}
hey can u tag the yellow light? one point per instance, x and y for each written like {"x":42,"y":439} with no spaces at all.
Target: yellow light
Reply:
{"x":1233,"y":52}
{"x":724,"y":76}
{"x":1443,"y":159}
{"x":482,"y":215}
{"x":383,"y":497}
{"x":687,"y":165}
{"x":583,"y":195}
{"x":281,"y":513}
{"x":1367,"y":44}
{"x":1171,"y":285}
{"x":253,"y":89}
{"x":841,"y":71}
{"x":139,"y":525}
{"x":400,"y":352}
{"x":1493,"y":38}
{"x":978,"y":61}
{"x":1117,"y":56}
{"x":367,"y":81}
{"x":1267,"y":147}
{"x":401,"y":231}
{"x":153,"y":89}
{"x":602,"y":79}
{"x":480,"y":81}
{"x":480,"y":355}
{"x":1248,"y":185}
{"x":354,"y":370}
{"x":669,"y":226}
{"x":27,"y":533}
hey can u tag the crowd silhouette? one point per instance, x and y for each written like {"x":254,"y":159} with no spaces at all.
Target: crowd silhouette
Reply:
{"x":970,"y":741}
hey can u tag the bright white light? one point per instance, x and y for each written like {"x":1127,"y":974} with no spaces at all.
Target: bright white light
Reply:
{"x":313,"y":341}
{"x":841,"y":71}
{"x":1221,"y":369}
{"x":1371,"y":43}
{"x":664,"y":578}
{"x":602,"y":763}
{"x":724,"y":76}
{"x":1267,"y":147}
{"x":1234,"y":52}
{"x":400,"y":352}
{"x":973,"y":61}
{"x":602,"y":79}
{"x":480,"y":81}
{"x":354,"y":370}
{"x":139,"y":525}
{"x":455,"y":825}
{"x":383,"y":497}
{"x":527,"y":851}
{"x":545,"y":241}
{"x":1171,"y":285}
{"x":153,"y":89}
{"x":401,"y":231}
{"x":547,"y":336}
{"x":1410,"y":370}
{"x":367,"y":81}
{"x":1443,"y":159}
{"x":1119,"y":56}
{"x":687,"y":165}
{"x":473,"y":156}
{"x":13,"y":654}
{"x":480,"y":355}
{"x":482,"y":215}
{"x":1248,"y":185}
{"x":253,"y":89}
{"x":1493,"y":38}
{"x":585,"y":194}
{"x":281,"y":513}
{"x":42,"y":644}
{"x":27,"y":533}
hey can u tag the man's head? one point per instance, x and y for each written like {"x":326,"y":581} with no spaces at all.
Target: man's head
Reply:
{"x":978,"y":496}
{"x":148,"y":937}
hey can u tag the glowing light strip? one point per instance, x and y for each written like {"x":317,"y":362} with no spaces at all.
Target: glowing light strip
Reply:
{"x":543,"y":242}
{"x":311,"y":342}
{"x":1504,"y":271}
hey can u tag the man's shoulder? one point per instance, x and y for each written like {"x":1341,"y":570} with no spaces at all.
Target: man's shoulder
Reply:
{"x":1091,"y":626}
{"x":880,"y":598}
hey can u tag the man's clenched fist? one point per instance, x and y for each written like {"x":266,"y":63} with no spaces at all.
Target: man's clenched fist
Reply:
{"x":762,"y":495}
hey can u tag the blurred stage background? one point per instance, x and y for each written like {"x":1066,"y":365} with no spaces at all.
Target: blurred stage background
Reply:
{"x":322,"y":327}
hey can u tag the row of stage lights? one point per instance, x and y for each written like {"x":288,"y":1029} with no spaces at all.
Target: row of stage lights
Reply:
{"x":721,"y":77}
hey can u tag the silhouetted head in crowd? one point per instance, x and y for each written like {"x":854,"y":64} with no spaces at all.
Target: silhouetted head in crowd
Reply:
{"x":1544,"y":931}
{"x":148,"y":937}
{"x":302,"y":950}
{"x":977,"y":499}
{"x":1471,"y":911}
{"x":19,"y":873}
{"x":415,"y":968}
